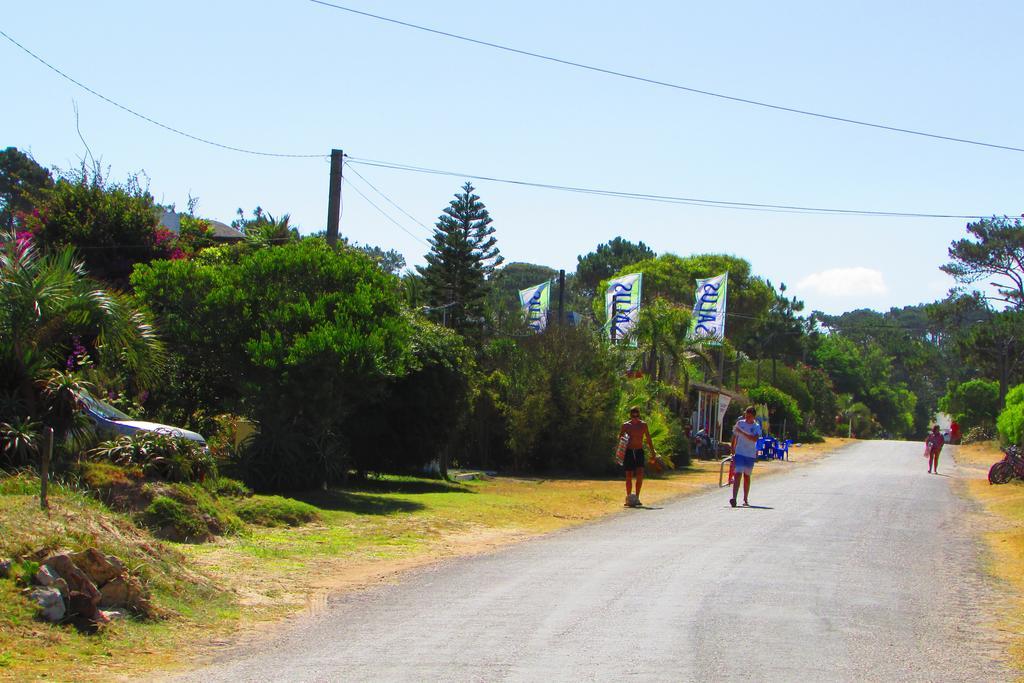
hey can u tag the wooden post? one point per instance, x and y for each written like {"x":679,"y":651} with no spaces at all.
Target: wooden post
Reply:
{"x":334,"y":197}
{"x":44,"y":470}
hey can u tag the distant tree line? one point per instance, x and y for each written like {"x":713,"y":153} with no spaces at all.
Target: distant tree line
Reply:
{"x":349,"y":367}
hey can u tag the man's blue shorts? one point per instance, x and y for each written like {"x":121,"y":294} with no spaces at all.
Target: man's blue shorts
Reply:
{"x":743,"y":464}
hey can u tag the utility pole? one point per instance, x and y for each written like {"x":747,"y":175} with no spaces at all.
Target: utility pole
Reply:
{"x":561,"y":297}
{"x":334,"y":197}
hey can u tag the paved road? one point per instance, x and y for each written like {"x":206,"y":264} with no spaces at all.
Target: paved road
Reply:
{"x":858,"y":567}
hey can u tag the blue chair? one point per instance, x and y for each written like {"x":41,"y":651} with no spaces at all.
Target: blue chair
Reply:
{"x":759,"y":452}
{"x":782,"y":450}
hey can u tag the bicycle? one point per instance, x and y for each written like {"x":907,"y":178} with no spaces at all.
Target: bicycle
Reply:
{"x":1010,"y":467}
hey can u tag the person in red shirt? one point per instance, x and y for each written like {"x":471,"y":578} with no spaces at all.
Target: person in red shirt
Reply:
{"x":933,"y":446}
{"x":633,"y":462}
{"x":954,"y":432}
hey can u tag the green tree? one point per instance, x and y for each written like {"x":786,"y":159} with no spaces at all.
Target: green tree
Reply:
{"x":436,"y":390}
{"x":667,"y":353}
{"x":463,"y":253}
{"x":302,"y":334}
{"x":112,"y":225}
{"x":22,"y":184}
{"x":783,"y":412}
{"x":390,"y":261}
{"x":504,"y":310}
{"x":972,"y":403}
{"x":673,"y":278}
{"x":1011,"y":419}
{"x":996,"y":347}
{"x":779,"y":333}
{"x":995,"y":249}
{"x":606,"y":260}
{"x":842,"y":360}
{"x":263,"y":230}
{"x":559,"y":393}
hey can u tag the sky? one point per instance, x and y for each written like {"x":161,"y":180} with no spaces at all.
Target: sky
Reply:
{"x":296,"y":77}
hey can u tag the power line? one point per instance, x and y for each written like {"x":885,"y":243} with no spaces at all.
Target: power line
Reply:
{"x":387,"y":199}
{"x":386,"y":215}
{"x":693,"y":201}
{"x":666,"y":84}
{"x":147,"y":119}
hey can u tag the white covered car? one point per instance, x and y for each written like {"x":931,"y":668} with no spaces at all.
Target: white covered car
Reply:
{"x":110,"y":420}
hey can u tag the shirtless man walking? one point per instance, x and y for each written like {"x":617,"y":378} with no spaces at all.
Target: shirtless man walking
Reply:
{"x":634,"y":460}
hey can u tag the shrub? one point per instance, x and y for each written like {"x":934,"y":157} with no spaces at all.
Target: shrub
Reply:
{"x":223,"y":486}
{"x":276,"y":511}
{"x":979,"y":434}
{"x":783,"y":411}
{"x":176,"y":520}
{"x":159,"y":455}
{"x":105,"y":475}
{"x":1011,"y":419}
{"x":972,"y":403}
{"x":19,"y":442}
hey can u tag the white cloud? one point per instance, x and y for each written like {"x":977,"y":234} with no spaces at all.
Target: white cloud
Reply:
{"x":845,"y":282}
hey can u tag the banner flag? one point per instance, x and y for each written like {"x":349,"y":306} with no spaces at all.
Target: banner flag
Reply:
{"x":723,"y":406}
{"x":536,"y":303}
{"x":622,"y":307}
{"x":708,"y":320}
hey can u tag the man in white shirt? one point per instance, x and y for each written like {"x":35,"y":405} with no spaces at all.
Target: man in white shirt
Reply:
{"x":744,"y":448}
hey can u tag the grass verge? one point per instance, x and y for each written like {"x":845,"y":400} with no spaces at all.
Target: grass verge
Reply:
{"x":1005,"y":507}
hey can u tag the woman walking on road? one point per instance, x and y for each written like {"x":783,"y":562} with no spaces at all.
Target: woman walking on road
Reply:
{"x":744,"y":447}
{"x":932,"y":447}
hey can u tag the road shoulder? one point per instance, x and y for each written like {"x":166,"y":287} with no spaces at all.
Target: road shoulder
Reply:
{"x":1001,"y":508}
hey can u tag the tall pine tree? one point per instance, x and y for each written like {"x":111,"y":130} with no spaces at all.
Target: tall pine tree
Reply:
{"x":462,"y":255}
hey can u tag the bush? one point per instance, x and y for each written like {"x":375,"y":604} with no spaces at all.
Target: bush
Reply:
{"x":972,"y":403}
{"x":783,"y":411}
{"x":276,"y":511}
{"x":105,"y":475}
{"x":175,"y":520}
{"x":223,"y":486}
{"x":159,"y":455}
{"x":1011,"y":419}
{"x":979,"y":434}
{"x":323,"y":333}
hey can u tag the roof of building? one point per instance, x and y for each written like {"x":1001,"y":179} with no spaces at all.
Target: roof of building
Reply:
{"x":221,"y":231}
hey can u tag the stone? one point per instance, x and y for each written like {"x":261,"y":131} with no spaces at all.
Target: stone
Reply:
{"x":97,"y":566}
{"x":51,"y":604}
{"x":5,"y":569}
{"x":62,"y":586}
{"x":124,"y":591}
{"x":78,"y":583}
{"x":46,"y":576}
{"x":83,"y":605}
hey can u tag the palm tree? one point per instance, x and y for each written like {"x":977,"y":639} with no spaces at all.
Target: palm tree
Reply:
{"x":46,"y":300}
{"x":667,"y":351}
{"x":269,"y":231}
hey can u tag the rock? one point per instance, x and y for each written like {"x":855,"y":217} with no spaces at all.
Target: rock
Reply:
{"x":46,"y":576}
{"x":62,"y":586}
{"x":97,"y":566}
{"x":78,"y":583}
{"x":5,"y":569}
{"x":124,"y":591}
{"x":83,"y":605}
{"x":51,"y":604}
